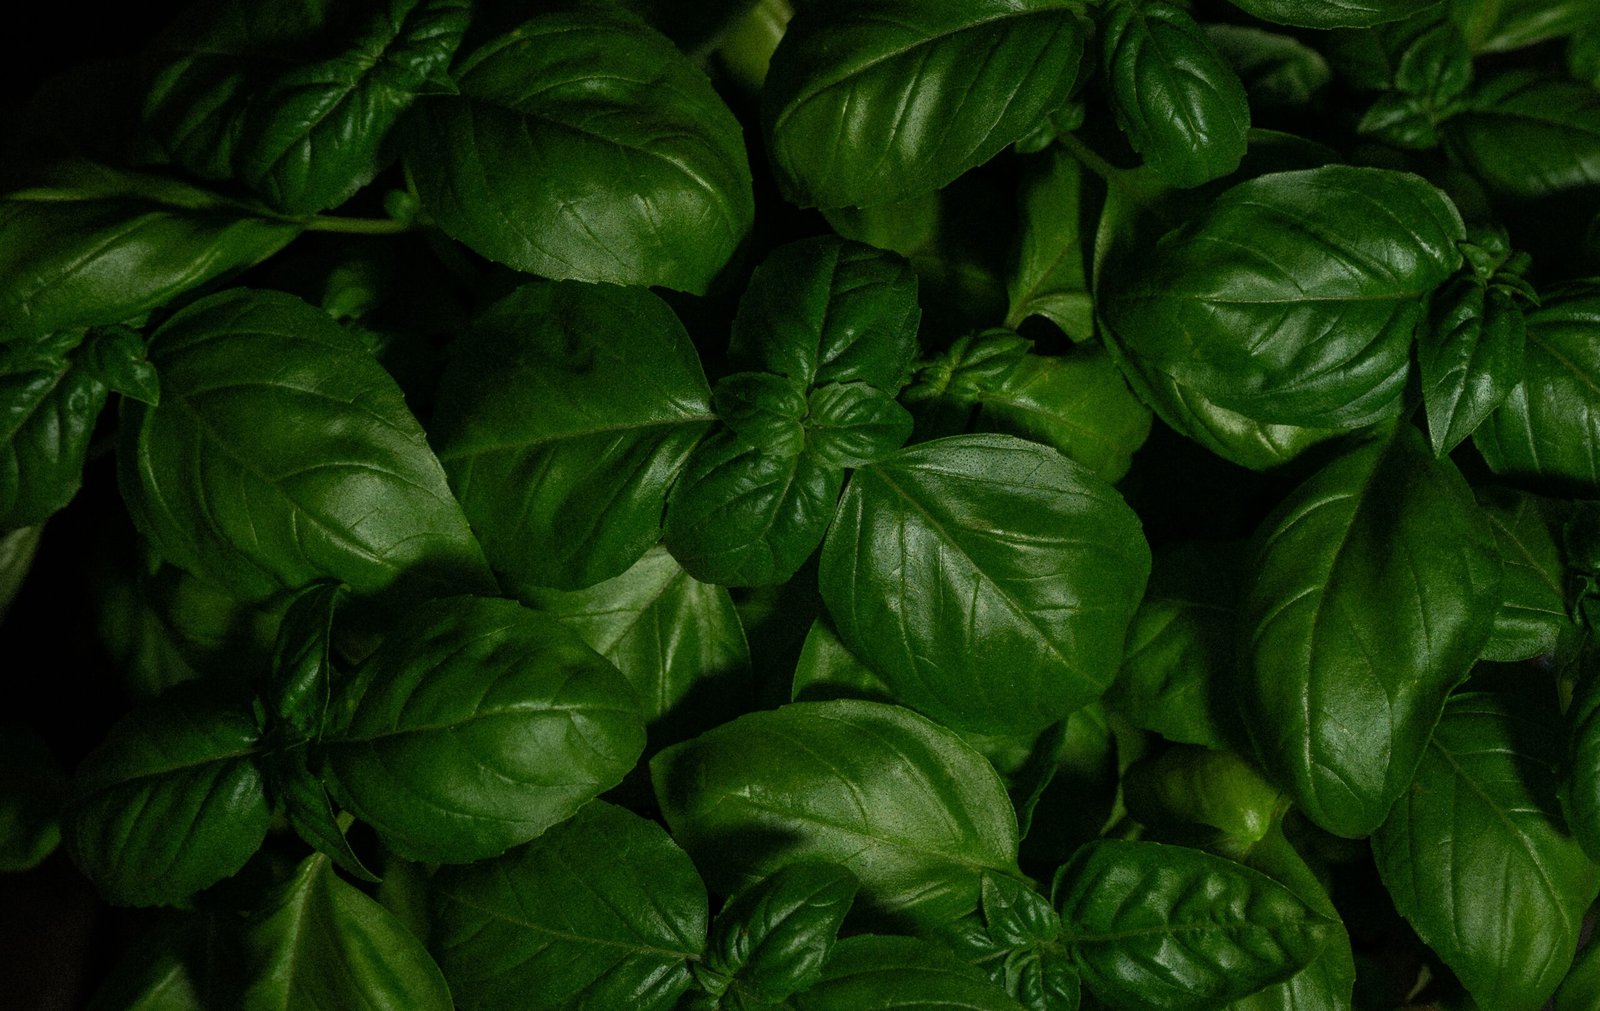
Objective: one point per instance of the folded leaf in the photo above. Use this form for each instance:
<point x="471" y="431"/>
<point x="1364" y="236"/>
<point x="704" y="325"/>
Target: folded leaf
<point x="772" y="939"/>
<point x="1533" y="605"/>
<point x="1470" y="354"/>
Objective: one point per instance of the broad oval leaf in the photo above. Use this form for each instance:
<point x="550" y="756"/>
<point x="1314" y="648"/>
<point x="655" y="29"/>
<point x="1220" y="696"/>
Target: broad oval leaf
<point x="49" y="402"/>
<point x="477" y="725"/>
<point x="904" y="804"/>
<point x="1470" y="354"/>
<point x="877" y="971"/>
<point x="282" y="453"/>
<point x="566" y="413"/>
<point x="172" y="801"/>
<point x="1548" y="429"/>
<point x="1050" y="277"/>
<point x="827" y="310"/>
<point x="316" y="942"/>
<point x="1372" y="590"/>
<point x="1477" y="859"/>
<point x="1530" y="136"/>
<point x="1293" y="297"/>
<point x="1180" y="103"/>
<point x="773" y="938"/>
<point x="1533" y="601"/>
<point x="874" y="102"/>
<point x="583" y="145"/>
<point x="603" y="910"/>
<point x="1333" y="13"/>
<point x="1176" y="929"/>
<point x="296" y="100"/>
<point x="989" y="581"/>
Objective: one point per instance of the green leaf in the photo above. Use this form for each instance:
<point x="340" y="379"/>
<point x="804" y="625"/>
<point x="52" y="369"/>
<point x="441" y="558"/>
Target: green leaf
<point x="476" y="726"/>
<point x="1170" y="928"/>
<point x="302" y="661"/>
<point x="1533" y="608"/>
<point x="1529" y="136"/>
<point x="902" y="803"/>
<point x="1548" y="429"/>
<point x="296" y="100"/>
<point x="309" y="811"/>
<point x="172" y="801"/>
<point x="604" y="911"/>
<point x="104" y="250"/>
<point x="739" y="516"/>
<point x="1580" y="991"/>
<point x="1189" y="785"/>
<point x="826" y="310"/>
<point x="1469" y="352"/>
<point x="17" y="551"/>
<point x="49" y="403"/>
<point x="828" y="670"/>
<point x="677" y="640"/>
<point x="1013" y="938"/>
<point x="584" y="146"/>
<point x="1512" y="24"/>
<point x="316" y="942"/>
<point x="565" y="415"/>
<point x="1277" y="71"/>
<point x="1333" y="13"/>
<point x="854" y="424"/>
<point x="1583" y="63"/>
<point x="33" y="787"/>
<point x="873" y="971"/>
<point x="1580" y="784"/>
<point x="1050" y="277"/>
<point x="772" y="939"/>
<point x="1373" y="588"/>
<point x="282" y="453"/>
<point x="1476" y="858"/>
<point x="1293" y="297"/>
<point x="1180" y="103"/>
<point x="767" y="412"/>
<point x="115" y="355"/>
<point x="875" y="102"/>
<point x="182" y="962"/>
<point x="989" y="581"/>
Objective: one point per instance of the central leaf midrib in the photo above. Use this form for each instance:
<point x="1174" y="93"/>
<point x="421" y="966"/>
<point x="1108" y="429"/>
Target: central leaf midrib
<point x="501" y="915"/>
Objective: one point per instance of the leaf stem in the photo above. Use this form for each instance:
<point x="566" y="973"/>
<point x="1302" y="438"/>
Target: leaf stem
<point x="357" y="226"/>
<point x="1089" y="158"/>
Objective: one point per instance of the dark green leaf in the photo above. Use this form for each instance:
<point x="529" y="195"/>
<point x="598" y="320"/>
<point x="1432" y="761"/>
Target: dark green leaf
<point x="317" y="942"/>
<point x="1512" y="24"/>
<point x="1374" y="587"/>
<point x="677" y="640"/>
<point x="1580" y="786"/>
<point x="1549" y="427"/>
<point x="903" y="803"/>
<point x="772" y="939"/>
<point x="1013" y="939"/>
<point x="826" y="310"/>
<point x="1533" y="607"/>
<point x="183" y="962"/>
<point x="1278" y="71"/>
<point x="828" y="670"/>
<point x="17" y="551"/>
<point x="989" y="581"/>
<point x="1180" y="103"/>
<point x="742" y="517"/>
<point x="302" y="661"/>
<point x="603" y="911"/>
<point x="1292" y="298"/>
<point x="282" y="453"/>
<point x="1580" y="991"/>
<point x="477" y="725"/>
<point x="1469" y="353"/>
<point x="1166" y="927"/>
<point x="566" y="413"/>
<point x="172" y="801"/>
<point x="48" y="407"/>
<point x="1530" y="136"/>
<point x="33" y="787"/>
<point x="100" y="250"/>
<point x="854" y="424"/>
<point x="1333" y="13"/>
<point x="1189" y="785"/>
<point x="874" y="102"/>
<point x="1402" y="120"/>
<point x="872" y="971"/>
<point x="115" y="355"/>
<point x="296" y="100"/>
<point x="1583" y="63"/>
<point x="766" y="411"/>
<point x="310" y="812"/>
<point x="1050" y="277"/>
<point x="1476" y="858"/>
<point x="583" y="145"/>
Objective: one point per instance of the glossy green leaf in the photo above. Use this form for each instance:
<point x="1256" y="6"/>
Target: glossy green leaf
<point x="828" y="670"/>
<point x="772" y="939"/>
<point x="1293" y="297"/>
<point x="1470" y="354"/>
<point x="902" y="803"/>
<point x="1548" y="429"/>
<point x="677" y="640"/>
<point x="827" y="310"/>
<point x="1501" y="25"/>
<point x="310" y="812"/>
<point x="1580" y="991"/>
<point x="989" y="581"/>
<point x="1013" y="938"/>
<point x="1333" y="13"/>
<point x="1180" y="103"/>
<point x="302" y="661"/>
<point x="1527" y="135"/>
<point x="854" y="424"/>
<point x="567" y="412"/>
<point x="1580" y="784"/>
<point x="1190" y="785"/>
<point x="1166" y="927"/>
<point x="874" y="102"/>
<point x="1050" y="277"/>
<point x="873" y="971"/>
<point x="604" y="910"/>
<point x="296" y="100"/>
<point x="477" y="725"/>
<point x="765" y="411"/>
<point x="172" y="801"/>
<point x="739" y="516"/>
<point x="1372" y="590"/>
<point x="101" y="248"/>
<point x="1476" y="858"/>
<point x="49" y="403"/>
<point x="316" y="942"/>
<point x="1533" y="608"/>
<point x="583" y="145"/>
<point x="33" y="787"/>
<point x="282" y="453"/>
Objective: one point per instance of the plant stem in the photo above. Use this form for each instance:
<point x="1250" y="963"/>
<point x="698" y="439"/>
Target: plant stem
<point x="1090" y="158"/>
<point x="357" y="226"/>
